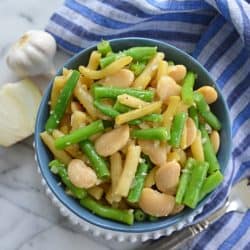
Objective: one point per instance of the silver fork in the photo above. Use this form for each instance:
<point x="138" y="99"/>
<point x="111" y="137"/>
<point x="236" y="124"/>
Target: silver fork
<point x="237" y="201"/>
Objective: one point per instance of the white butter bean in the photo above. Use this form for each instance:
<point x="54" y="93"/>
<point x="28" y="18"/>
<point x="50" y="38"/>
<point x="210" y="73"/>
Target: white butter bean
<point x="215" y="140"/>
<point x="155" y="203"/>
<point x="167" y="87"/>
<point x="209" y="93"/>
<point x="156" y="151"/>
<point x="167" y="177"/>
<point x="122" y="78"/>
<point x="81" y="175"/>
<point x="112" y="141"/>
<point x="177" y="72"/>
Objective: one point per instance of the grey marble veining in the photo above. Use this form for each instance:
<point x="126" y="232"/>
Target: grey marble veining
<point x="28" y="218"/>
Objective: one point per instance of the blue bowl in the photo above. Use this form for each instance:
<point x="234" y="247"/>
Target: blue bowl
<point x="44" y="156"/>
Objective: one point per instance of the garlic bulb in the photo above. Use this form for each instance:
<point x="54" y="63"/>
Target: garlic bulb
<point x="18" y="108"/>
<point x="32" y="54"/>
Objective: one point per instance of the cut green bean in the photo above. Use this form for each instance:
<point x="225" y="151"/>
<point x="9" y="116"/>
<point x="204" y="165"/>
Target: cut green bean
<point x="139" y="215"/>
<point x="121" y="108"/>
<point x="192" y="112"/>
<point x="104" y="47"/>
<point x="170" y="63"/>
<point x="136" y="189"/>
<point x="137" y="53"/>
<point x="208" y="150"/>
<point x="59" y="169"/>
<point x="97" y="162"/>
<point x="124" y="216"/>
<point x="112" y="92"/>
<point x="79" y="134"/>
<point x="205" y="112"/>
<point x="211" y="183"/>
<point x="184" y="180"/>
<point x="62" y="102"/>
<point x="152" y="218"/>
<point x="177" y="129"/>
<point x="148" y="118"/>
<point x="187" y="88"/>
<point x="159" y="133"/>
<point x="105" y="109"/>
<point x="108" y="123"/>
<point x="137" y="67"/>
<point x="198" y="175"/>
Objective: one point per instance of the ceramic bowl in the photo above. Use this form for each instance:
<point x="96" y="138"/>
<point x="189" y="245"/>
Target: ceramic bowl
<point x="110" y="229"/>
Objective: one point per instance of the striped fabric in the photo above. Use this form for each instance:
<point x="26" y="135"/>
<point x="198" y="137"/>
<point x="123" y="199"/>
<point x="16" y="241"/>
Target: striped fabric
<point x="217" y="34"/>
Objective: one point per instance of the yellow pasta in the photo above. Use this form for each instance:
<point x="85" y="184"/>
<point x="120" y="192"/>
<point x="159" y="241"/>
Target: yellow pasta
<point x="173" y="156"/>
<point x="93" y="64"/>
<point x="142" y="81"/>
<point x="109" y="70"/>
<point x="78" y="120"/>
<point x="86" y="100"/>
<point x="182" y="155"/>
<point x="131" y="101"/>
<point x="150" y="179"/>
<point x="96" y="192"/>
<point x="137" y="113"/>
<point x="170" y="111"/>
<point x="162" y="70"/>
<point x="58" y="84"/>
<point x="197" y="149"/>
<point x="75" y="106"/>
<point x="129" y="169"/>
<point x="61" y="155"/>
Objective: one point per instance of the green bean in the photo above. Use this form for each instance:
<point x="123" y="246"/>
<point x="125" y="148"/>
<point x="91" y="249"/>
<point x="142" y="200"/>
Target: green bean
<point x="210" y="183"/>
<point x="187" y="88"/>
<point x="104" y="47"/>
<point x="105" y="109"/>
<point x="159" y="133"/>
<point x="124" y="216"/>
<point x="121" y="108"/>
<point x="59" y="168"/>
<point x="108" y="123"/>
<point x="147" y="118"/>
<point x="112" y="92"/>
<point x="137" y="67"/>
<point x="137" y="53"/>
<point x="62" y="102"/>
<point x="197" y="179"/>
<point x="184" y="180"/>
<point x="139" y="215"/>
<point x="79" y="134"/>
<point x="177" y="129"/>
<point x="192" y="112"/>
<point x="136" y="189"/>
<point x="208" y="150"/>
<point x="205" y="112"/>
<point x="170" y="63"/>
<point x="152" y="218"/>
<point x="105" y="61"/>
<point x="141" y="53"/>
<point x="97" y="162"/>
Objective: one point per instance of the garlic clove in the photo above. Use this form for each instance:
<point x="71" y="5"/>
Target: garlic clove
<point x="32" y="54"/>
<point x="18" y="107"/>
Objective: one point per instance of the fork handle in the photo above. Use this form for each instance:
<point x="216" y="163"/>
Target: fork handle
<point x="177" y="239"/>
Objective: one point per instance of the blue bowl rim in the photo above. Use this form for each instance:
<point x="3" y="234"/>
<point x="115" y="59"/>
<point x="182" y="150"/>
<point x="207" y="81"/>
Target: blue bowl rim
<point x="153" y="225"/>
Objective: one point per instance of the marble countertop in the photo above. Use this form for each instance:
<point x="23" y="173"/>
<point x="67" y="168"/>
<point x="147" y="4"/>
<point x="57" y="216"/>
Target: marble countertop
<point x="28" y="218"/>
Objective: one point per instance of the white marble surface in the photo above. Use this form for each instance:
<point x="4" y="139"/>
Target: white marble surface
<point x="28" y="218"/>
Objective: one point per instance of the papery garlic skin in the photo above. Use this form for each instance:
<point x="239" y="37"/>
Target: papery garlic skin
<point x="32" y="54"/>
<point x="19" y="103"/>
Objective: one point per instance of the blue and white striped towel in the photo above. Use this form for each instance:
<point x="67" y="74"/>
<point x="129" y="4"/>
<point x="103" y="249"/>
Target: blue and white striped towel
<point x="216" y="33"/>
